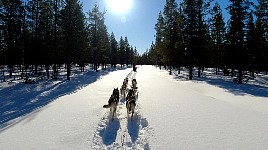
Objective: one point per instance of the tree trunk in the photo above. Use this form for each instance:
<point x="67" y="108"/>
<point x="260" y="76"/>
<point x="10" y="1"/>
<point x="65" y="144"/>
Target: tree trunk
<point x="47" y="71"/>
<point x="190" y="72"/>
<point x="10" y="70"/>
<point x="240" y="76"/>
<point x="199" y="72"/>
<point x="68" y="71"/>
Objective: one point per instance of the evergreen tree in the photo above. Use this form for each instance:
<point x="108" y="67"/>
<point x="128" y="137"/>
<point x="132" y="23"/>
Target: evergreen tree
<point x="159" y="40"/>
<point x="13" y="18"/>
<point x="262" y="15"/>
<point x="202" y="40"/>
<point x="135" y="55"/>
<point x="45" y="36"/>
<point x="179" y="44"/>
<point x="239" y="15"/>
<point x="98" y="35"/>
<point x="190" y="33"/>
<point x="251" y="45"/>
<point x="132" y="55"/>
<point x="2" y="39"/>
<point x="152" y="55"/>
<point x="128" y="53"/>
<point x="73" y="33"/>
<point x="114" y="50"/>
<point x="170" y="15"/>
<point x="34" y="54"/>
<point x="260" y="47"/>
<point x="122" y="52"/>
<point x="55" y="45"/>
<point x="218" y="32"/>
<point x="103" y="43"/>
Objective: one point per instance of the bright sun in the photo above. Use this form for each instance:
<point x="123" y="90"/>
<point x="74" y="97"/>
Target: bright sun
<point x="119" y="6"/>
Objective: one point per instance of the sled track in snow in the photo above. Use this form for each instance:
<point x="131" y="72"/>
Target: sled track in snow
<point x="123" y="132"/>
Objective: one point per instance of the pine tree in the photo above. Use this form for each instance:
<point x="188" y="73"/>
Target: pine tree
<point x="13" y="18"/>
<point x="170" y="15"/>
<point x="190" y="33"/>
<point x="103" y="43"/>
<point x="98" y="35"/>
<point x="202" y="40"/>
<point x="239" y="12"/>
<point x="34" y="53"/>
<point x="122" y="52"/>
<point x="251" y="45"/>
<point x="179" y="44"/>
<point x="73" y="32"/>
<point x="260" y="46"/>
<point x="114" y="50"/>
<point x="127" y="49"/>
<point x="2" y="39"/>
<point x="159" y="39"/>
<point x="262" y="15"/>
<point x="218" y="32"/>
<point x="55" y="46"/>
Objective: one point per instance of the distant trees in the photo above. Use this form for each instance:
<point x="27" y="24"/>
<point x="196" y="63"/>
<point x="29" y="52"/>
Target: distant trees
<point x="199" y="37"/>
<point x="54" y="32"/>
<point x="262" y="34"/>
<point x="11" y="23"/>
<point x="190" y="34"/>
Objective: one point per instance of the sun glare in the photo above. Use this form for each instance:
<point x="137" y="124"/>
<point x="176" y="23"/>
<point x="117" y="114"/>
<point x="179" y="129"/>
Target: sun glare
<point x="119" y="6"/>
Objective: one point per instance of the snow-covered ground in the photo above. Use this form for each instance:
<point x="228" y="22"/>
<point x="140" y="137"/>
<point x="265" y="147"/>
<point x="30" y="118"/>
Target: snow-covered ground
<point x="171" y="113"/>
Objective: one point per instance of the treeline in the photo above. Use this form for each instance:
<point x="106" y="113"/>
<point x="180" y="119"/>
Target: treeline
<point x="194" y="34"/>
<point x="54" y="32"/>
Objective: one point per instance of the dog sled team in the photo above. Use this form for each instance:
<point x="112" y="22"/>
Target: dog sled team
<point x="129" y="95"/>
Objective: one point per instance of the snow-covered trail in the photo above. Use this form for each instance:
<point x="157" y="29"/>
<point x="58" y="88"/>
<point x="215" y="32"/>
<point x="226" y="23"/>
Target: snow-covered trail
<point x="123" y="132"/>
<point x="196" y="115"/>
<point x="66" y="123"/>
<point x="170" y="114"/>
<point x="78" y="121"/>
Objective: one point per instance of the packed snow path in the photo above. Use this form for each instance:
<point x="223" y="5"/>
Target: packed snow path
<point x="123" y="132"/>
<point x="172" y="113"/>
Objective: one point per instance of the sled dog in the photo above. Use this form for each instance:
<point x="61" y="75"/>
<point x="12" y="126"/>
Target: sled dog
<point x="130" y="102"/>
<point x="126" y="80"/>
<point x="113" y="102"/>
<point x="123" y="91"/>
<point x="134" y="83"/>
<point x="124" y="88"/>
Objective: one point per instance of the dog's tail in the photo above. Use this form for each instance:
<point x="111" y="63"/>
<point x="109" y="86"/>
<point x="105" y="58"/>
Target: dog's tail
<point x="106" y="106"/>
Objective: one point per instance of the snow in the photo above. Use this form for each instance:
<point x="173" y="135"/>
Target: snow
<point x="171" y="113"/>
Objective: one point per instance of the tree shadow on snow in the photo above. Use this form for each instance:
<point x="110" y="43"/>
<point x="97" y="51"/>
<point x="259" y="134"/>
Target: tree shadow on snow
<point x="19" y="99"/>
<point x="109" y="133"/>
<point x="237" y="89"/>
<point x="227" y="83"/>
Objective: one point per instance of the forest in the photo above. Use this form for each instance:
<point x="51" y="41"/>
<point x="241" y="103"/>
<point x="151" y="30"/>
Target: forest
<point x="49" y="34"/>
<point x="194" y="34"/>
<point x="44" y="34"/>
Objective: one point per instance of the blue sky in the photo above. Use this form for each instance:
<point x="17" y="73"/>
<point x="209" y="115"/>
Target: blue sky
<point x="139" y="22"/>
